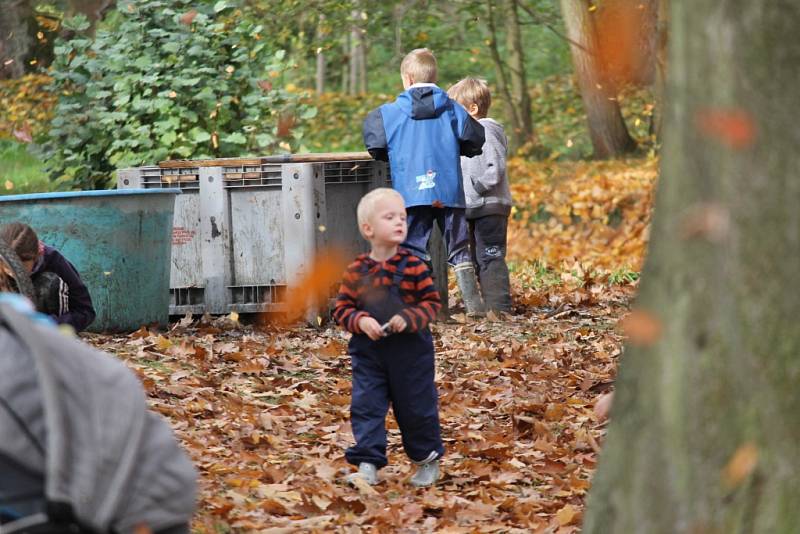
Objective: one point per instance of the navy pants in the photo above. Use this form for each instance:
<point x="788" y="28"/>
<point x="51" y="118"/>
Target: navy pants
<point x="453" y="224"/>
<point x="398" y="369"/>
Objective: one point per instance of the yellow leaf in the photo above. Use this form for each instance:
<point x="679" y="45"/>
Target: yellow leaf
<point x="163" y="343"/>
<point x="9" y="185"/>
<point x="568" y="515"/>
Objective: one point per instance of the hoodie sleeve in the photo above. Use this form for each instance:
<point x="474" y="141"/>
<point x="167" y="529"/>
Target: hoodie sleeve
<point x="493" y="161"/>
<point x="81" y="311"/>
<point x="346" y="312"/>
<point x="427" y="303"/>
<point x="375" y="136"/>
<point x="471" y="136"/>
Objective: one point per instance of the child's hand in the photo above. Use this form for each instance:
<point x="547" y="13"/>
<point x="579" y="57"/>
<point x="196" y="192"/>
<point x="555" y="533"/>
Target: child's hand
<point x="396" y="324"/>
<point x="370" y="326"/>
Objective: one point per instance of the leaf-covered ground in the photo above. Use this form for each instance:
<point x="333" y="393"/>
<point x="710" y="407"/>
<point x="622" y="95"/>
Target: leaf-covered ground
<point x="263" y="411"/>
<point x="264" y="415"/>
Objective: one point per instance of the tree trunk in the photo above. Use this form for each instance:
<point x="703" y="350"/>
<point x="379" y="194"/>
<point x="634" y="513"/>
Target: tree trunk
<point x="607" y="129"/>
<point x="356" y="53"/>
<point x="321" y="65"/>
<point x="503" y="78"/>
<point x="662" y="40"/>
<point x="522" y="132"/>
<point x="346" y="64"/>
<point x="15" y="40"/>
<point x="705" y="429"/>
<point x="362" y="61"/>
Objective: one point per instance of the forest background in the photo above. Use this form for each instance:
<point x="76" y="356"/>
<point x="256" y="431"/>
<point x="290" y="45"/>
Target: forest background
<point x="91" y="86"/>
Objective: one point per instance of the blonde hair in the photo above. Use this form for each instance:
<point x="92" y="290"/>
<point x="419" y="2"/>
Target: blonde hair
<point x="366" y="206"/>
<point x="472" y="91"/>
<point x="420" y="66"/>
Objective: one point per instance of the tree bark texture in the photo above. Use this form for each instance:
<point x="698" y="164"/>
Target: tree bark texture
<point x="15" y="39"/>
<point x="607" y="130"/>
<point x="626" y="38"/>
<point x="705" y="428"/>
<point x="662" y="40"/>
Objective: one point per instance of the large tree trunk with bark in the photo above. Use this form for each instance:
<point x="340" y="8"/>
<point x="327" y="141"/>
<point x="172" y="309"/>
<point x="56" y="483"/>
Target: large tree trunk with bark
<point x="15" y="39"/>
<point x="705" y="428"/>
<point x="607" y="130"/>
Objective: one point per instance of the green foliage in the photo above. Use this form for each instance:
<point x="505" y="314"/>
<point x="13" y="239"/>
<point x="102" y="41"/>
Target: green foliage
<point x="342" y="121"/>
<point x="164" y="80"/>
<point x="21" y="172"/>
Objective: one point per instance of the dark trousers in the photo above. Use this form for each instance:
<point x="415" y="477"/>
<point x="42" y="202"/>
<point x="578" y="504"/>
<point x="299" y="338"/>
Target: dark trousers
<point x="453" y="224"/>
<point x="398" y="369"/>
<point x="488" y="237"/>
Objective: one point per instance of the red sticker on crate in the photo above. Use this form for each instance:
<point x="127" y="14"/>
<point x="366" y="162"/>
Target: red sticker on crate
<point x="181" y="235"/>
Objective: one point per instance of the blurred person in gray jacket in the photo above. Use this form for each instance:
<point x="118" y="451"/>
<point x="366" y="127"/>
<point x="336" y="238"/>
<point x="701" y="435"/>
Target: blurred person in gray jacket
<point x="79" y="450"/>
<point x="488" y="196"/>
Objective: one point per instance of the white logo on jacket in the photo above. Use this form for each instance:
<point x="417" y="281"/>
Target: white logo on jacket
<point x="426" y="181"/>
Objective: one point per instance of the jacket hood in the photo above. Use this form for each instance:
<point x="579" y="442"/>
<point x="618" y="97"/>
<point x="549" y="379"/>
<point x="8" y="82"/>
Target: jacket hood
<point x="424" y="102"/>
<point x="491" y="125"/>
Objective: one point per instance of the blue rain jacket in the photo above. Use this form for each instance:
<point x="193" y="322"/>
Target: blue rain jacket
<point x="422" y="134"/>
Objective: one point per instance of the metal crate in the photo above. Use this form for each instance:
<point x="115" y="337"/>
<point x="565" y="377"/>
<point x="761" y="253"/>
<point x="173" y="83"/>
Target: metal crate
<point x="245" y="229"/>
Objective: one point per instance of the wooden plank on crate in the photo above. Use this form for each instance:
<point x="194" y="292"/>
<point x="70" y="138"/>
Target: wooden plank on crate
<point x="232" y="176"/>
<point x="170" y="178"/>
<point x="222" y="162"/>
<point x="188" y="177"/>
<point x="319" y="157"/>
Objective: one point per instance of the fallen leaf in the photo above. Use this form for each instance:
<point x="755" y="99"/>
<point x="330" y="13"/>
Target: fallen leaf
<point x="568" y="515"/>
<point x="363" y="487"/>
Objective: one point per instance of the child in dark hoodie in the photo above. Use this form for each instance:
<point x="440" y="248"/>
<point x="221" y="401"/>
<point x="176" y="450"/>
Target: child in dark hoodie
<point x="60" y="292"/>
<point x="422" y="134"/>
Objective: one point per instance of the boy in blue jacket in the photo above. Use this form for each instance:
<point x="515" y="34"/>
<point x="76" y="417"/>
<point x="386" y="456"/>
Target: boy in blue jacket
<point x="422" y="135"/>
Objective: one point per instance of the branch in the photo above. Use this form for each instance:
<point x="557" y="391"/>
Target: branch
<point x="538" y="20"/>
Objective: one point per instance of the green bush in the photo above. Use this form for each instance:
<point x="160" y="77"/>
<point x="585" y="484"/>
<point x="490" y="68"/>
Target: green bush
<point x="167" y="79"/>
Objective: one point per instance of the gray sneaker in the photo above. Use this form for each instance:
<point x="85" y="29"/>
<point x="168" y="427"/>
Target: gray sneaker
<point x="366" y="472"/>
<point x="427" y="474"/>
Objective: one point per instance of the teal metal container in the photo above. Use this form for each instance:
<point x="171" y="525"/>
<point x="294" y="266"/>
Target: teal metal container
<point x="119" y="240"/>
